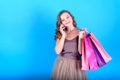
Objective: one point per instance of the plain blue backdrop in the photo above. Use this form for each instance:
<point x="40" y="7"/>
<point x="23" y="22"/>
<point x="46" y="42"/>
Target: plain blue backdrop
<point x="27" y="29"/>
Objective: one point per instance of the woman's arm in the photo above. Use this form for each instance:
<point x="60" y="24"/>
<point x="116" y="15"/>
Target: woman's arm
<point x="59" y="44"/>
<point x="81" y="36"/>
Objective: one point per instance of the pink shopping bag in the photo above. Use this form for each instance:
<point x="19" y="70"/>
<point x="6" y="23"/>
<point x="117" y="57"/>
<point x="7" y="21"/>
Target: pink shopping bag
<point x="102" y="51"/>
<point x="93" y="54"/>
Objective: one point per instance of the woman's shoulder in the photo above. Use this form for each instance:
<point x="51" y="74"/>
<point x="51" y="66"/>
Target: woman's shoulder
<point x="81" y="30"/>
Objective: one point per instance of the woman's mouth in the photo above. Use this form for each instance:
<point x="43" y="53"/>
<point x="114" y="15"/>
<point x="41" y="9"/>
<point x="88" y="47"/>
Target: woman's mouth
<point x="68" y="22"/>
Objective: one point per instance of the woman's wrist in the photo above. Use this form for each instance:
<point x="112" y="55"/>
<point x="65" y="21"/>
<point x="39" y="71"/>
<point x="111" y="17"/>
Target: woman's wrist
<point x="63" y="36"/>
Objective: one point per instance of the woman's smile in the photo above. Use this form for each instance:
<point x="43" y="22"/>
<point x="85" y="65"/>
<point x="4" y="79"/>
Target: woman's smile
<point x="67" y="22"/>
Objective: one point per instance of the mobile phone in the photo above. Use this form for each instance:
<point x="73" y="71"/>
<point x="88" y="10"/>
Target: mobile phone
<point x="64" y="28"/>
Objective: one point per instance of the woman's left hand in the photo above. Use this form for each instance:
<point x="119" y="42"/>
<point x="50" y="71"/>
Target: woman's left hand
<point x="82" y="34"/>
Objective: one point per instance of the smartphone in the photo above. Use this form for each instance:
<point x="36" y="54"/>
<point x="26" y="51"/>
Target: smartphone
<point x="64" y="28"/>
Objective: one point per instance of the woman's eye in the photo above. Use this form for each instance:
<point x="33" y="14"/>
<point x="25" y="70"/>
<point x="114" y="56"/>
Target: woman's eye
<point x="67" y="17"/>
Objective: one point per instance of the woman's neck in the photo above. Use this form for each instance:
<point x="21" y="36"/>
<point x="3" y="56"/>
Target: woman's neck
<point x="70" y="29"/>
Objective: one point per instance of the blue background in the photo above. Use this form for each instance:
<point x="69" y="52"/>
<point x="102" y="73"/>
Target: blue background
<point x="27" y="29"/>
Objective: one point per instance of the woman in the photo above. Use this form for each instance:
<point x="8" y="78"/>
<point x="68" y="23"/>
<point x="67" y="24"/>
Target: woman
<point x="68" y="36"/>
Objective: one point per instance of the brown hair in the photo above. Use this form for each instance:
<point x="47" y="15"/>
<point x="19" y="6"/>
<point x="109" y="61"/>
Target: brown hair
<point x="58" y="23"/>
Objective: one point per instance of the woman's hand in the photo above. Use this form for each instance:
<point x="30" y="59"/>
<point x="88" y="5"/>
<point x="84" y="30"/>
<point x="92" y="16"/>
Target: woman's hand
<point x="62" y="31"/>
<point x="60" y="42"/>
<point x="82" y="34"/>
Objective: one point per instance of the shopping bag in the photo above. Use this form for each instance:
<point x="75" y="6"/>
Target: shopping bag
<point x="100" y="60"/>
<point x="85" y="65"/>
<point x="93" y="54"/>
<point x="90" y="54"/>
<point x="102" y="51"/>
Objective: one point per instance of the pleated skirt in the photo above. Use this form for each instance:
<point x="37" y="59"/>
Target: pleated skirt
<point x="67" y="69"/>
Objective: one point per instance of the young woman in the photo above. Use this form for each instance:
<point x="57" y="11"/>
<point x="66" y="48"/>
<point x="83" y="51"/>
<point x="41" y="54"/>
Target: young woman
<point x="68" y="36"/>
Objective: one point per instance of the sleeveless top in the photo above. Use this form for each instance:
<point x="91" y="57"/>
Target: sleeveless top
<point x="70" y="49"/>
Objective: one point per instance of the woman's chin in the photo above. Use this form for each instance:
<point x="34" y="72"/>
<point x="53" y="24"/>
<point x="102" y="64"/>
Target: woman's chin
<point x="68" y="25"/>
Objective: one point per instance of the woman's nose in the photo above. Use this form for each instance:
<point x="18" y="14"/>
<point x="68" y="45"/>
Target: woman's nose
<point x="66" y="20"/>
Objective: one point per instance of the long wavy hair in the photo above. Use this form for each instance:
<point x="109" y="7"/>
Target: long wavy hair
<point x="58" y="34"/>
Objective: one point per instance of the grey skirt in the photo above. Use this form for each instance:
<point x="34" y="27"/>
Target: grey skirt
<point x="67" y="69"/>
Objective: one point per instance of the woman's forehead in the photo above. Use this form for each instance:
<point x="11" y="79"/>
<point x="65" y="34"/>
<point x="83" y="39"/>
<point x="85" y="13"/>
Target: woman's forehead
<point x="64" y="15"/>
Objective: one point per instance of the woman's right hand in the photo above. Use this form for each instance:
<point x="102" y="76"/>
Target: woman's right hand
<point x="62" y="31"/>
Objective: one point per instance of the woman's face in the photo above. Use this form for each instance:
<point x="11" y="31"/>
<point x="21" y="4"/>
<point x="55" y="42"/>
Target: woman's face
<point x="66" y="19"/>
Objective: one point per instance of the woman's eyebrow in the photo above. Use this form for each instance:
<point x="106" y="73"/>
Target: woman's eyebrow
<point x="67" y="15"/>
